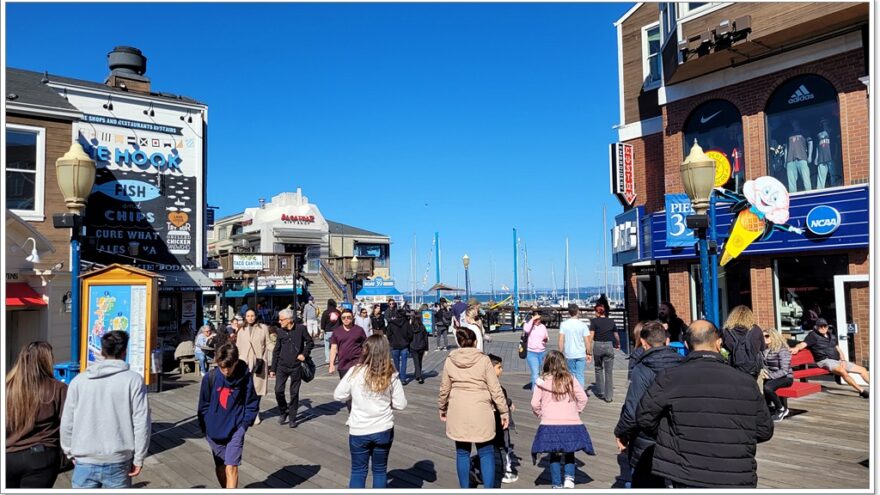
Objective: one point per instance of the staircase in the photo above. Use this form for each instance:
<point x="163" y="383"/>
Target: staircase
<point x="322" y="291"/>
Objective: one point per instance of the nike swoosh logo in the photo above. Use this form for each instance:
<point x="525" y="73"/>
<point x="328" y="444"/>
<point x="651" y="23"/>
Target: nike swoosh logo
<point x="703" y="120"/>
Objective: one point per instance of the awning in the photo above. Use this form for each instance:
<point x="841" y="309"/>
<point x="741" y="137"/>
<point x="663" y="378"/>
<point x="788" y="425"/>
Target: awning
<point x="443" y="287"/>
<point x="190" y="280"/>
<point x="378" y="291"/>
<point x="21" y="295"/>
<point x="263" y="292"/>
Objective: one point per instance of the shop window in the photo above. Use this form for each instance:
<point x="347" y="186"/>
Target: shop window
<point x="651" y="55"/>
<point x="734" y="288"/>
<point x="25" y="167"/>
<point x="805" y="291"/>
<point x="803" y="134"/>
<point x="379" y="253"/>
<point x="717" y="126"/>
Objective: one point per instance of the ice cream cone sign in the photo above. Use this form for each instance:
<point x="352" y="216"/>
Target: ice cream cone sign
<point x="763" y="209"/>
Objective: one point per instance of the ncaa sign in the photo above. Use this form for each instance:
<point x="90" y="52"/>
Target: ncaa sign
<point x="823" y="220"/>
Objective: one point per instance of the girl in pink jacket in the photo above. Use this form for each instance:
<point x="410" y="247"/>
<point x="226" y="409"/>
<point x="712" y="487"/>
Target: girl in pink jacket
<point x="557" y="400"/>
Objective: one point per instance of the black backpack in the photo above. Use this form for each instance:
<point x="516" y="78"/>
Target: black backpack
<point x="743" y="357"/>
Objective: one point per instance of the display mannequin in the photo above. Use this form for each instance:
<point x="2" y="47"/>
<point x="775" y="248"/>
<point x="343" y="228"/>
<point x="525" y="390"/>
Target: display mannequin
<point x="824" y="159"/>
<point x="797" y="155"/>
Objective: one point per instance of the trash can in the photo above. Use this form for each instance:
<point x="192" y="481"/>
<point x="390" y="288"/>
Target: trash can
<point x="65" y="372"/>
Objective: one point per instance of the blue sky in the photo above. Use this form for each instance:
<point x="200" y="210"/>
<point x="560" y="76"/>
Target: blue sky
<point x="405" y="119"/>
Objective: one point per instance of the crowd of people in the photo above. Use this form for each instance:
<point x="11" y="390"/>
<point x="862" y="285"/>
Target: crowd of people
<point x="692" y="416"/>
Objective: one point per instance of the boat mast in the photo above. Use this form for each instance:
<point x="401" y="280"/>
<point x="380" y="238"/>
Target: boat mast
<point x="567" y="277"/>
<point x="605" y="248"/>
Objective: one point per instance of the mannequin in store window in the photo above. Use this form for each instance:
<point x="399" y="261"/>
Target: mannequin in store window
<point x="797" y="155"/>
<point x="825" y="167"/>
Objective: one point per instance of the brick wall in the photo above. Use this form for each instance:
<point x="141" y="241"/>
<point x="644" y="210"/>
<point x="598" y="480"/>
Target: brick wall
<point x="763" y="299"/>
<point x="680" y="289"/>
<point x="649" y="171"/>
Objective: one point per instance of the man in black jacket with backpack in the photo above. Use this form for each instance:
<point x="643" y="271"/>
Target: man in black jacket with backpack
<point x="294" y="344"/>
<point x="706" y="417"/>
<point x="639" y="444"/>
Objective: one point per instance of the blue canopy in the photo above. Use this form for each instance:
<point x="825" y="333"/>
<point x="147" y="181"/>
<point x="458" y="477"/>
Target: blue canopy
<point x="378" y="291"/>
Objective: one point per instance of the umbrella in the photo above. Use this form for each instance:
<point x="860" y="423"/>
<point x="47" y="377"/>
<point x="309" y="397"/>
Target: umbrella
<point x="443" y="287"/>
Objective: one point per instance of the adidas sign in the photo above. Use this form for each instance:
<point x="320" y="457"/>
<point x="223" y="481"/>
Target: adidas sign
<point x="802" y="94"/>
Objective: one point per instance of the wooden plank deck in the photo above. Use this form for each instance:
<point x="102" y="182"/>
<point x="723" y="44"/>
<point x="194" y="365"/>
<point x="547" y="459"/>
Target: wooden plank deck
<point x="825" y="444"/>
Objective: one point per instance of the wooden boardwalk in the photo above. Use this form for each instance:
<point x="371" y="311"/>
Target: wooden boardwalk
<point x="823" y="445"/>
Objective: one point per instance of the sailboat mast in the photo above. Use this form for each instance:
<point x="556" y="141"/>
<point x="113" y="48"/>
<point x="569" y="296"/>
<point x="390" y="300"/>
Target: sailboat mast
<point x="577" y="283"/>
<point x="605" y="248"/>
<point x="567" y="277"/>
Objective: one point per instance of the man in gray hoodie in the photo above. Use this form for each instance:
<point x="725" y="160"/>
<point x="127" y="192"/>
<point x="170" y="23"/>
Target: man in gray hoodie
<point x="105" y="426"/>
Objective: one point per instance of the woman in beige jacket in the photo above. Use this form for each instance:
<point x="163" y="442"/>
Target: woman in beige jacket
<point x="469" y="396"/>
<point x="252" y="341"/>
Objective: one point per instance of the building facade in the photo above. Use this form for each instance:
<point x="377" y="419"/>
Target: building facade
<point x="768" y="89"/>
<point x="147" y="207"/>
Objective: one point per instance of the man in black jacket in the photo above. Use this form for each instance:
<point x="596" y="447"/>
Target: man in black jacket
<point x="442" y="320"/>
<point x="639" y="444"/>
<point x="291" y="349"/>
<point x="706" y="417"/>
<point x="400" y="335"/>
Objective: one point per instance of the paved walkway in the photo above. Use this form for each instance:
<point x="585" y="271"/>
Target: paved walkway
<point x="823" y="445"/>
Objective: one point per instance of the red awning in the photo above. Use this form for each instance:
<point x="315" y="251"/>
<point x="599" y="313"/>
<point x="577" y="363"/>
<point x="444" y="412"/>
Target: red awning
<point x="20" y="295"/>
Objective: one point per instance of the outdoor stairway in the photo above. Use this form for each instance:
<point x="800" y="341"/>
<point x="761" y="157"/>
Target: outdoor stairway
<point x="321" y="290"/>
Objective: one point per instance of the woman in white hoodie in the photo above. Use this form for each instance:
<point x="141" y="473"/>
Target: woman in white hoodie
<point x="374" y="389"/>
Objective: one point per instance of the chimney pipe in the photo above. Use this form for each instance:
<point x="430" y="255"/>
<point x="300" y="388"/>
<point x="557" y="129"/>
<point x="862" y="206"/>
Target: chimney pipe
<point x="127" y="68"/>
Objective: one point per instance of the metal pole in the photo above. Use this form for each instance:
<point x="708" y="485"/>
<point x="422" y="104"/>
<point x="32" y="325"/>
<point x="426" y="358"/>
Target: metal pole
<point x="437" y="259"/>
<point x="75" y="291"/>
<point x="605" y="249"/>
<point x="515" y="284"/>
<point x="706" y="284"/>
<point x="467" y="284"/>
<point x="713" y="264"/>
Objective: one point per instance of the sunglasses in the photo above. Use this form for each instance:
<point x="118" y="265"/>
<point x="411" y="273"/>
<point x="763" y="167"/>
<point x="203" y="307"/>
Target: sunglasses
<point x="347" y="317"/>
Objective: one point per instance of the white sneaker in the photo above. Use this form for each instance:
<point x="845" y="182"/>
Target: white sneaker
<point x="509" y="478"/>
<point x="569" y="482"/>
<point x="258" y="420"/>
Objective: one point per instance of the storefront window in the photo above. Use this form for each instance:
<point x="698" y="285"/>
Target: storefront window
<point x="734" y="288"/>
<point x="24" y="171"/>
<point x="803" y="134"/>
<point x="805" y="291"/>
<point x="717" y="126"/>
<point x="379" y="253"/>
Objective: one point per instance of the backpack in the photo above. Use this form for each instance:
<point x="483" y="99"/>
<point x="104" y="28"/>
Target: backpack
<point x="743" y="357"/>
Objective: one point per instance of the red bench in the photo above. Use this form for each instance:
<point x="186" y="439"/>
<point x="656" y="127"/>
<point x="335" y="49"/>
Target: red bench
<point x="805" y="365"/>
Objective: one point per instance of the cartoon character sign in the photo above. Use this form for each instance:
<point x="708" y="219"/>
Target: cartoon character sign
<point x="762" y="208"/>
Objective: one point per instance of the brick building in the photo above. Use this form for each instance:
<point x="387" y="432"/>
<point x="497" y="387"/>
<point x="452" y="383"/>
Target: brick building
<point x="773" y="89"/>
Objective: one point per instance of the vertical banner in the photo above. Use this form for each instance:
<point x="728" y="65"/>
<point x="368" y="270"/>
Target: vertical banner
<point x="623" y="173"/>
<point x="678" y="207"/>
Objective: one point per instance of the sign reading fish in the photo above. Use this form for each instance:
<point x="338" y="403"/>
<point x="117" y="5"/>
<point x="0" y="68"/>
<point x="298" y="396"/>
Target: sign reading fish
<point x="128" y="190"/>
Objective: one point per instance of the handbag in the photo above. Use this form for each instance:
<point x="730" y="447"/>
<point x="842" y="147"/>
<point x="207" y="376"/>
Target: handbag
<point x="307" y="372"/>
<point x="259" y="363"/>
<point x="524" y="345"/>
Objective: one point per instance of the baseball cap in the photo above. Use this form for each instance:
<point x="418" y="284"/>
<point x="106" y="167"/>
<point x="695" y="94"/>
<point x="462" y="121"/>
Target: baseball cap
<point x="456" y="298"/>
<point x="821" y="322"/>
<point x="443" y="300"/>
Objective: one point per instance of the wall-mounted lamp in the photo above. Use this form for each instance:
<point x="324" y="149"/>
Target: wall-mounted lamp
<point x="150" y="111"/>
<point x="35" y="256"/>
<point x="109" y="104"/>
<point x="67" y="300"/>
<point x="188" y="117"/>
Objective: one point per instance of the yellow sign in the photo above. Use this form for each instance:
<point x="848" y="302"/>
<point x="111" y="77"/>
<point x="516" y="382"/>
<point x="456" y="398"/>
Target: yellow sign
<point x="722" y="167"/>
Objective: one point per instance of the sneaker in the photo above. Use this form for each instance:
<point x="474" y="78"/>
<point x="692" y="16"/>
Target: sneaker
<point x="282" y="419"/>
<point x="509" y="478"/>
<point x="258" y="420"/>
<point x="863" y="394"/>
<point x="780" y="415"/>
<point x="569" y="482"/>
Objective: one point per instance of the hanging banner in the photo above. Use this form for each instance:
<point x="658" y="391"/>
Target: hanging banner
<point x="623" y="173"/>
<point x="678" y="207"/>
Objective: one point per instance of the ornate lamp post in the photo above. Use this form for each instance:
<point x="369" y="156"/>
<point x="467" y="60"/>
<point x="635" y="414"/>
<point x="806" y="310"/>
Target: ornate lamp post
<point x="698" y="178"/>
<point x="354" y="275"/>
<point x="466" y="261"/>
<point x="75" y="172"/>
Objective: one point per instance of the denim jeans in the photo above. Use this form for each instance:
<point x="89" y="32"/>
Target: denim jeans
<point x="399" y="357"/>
<point x="486" y="451"/>
<point x="101" y="475"/>
<point x="327" y="348"/>
<point x="440" y="336"/>
<point x="536" y="361"/>
<point x="603" y="360"/>
<point x="366" y="448"/>
<point x="792" y="168"/>
<point x="203" y="361"/>
<point x="576" y="368"/>
<point x="556" y="469"/>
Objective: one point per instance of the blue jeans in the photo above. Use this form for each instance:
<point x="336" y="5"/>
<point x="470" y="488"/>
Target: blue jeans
<point x="536" y="361"/>
<point x="399" y="357"/>
<point x="364" y="448"/>
<point x="101" y="475"/>
<point x="327" y="348"/>
<point x="203" y="361"/>
<point x="556" y="470"/>
<point x="576" y="368"/>
<point x="486" y="451"/>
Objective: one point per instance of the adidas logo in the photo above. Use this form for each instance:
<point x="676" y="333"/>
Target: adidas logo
<point x="802" y="94"/>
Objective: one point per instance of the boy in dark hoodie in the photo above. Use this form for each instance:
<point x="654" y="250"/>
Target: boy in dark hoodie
<point x="502" y="435"/>
<point x="228" y="405"/>
<point x="400" y="336"/>
<point x="639" y="444"/>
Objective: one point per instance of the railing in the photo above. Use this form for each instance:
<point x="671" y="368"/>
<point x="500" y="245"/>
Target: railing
<point x="338" y="287"/>
<point x="342" y="267"/>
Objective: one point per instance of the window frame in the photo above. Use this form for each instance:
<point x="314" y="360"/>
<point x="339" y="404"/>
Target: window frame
<point x="646" y="66"/>
<point x="38" y="213"/>
<point x="685" y="14"/>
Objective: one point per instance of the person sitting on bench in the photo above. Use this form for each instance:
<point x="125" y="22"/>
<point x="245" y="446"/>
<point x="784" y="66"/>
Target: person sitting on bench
<point x="823" y="344"/>
<point x="777" y="372"/>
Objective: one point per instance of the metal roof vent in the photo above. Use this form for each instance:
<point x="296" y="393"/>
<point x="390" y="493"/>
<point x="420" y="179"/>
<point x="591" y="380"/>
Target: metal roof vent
<point x="127" y="60"/>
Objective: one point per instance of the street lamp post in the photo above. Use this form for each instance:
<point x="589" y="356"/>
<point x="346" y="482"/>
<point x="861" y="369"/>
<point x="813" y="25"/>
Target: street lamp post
<point x="354" y="273"/>
<point x="698" y="178"/>
<point x="75" y="172"/>
<point x="466" y="261"/>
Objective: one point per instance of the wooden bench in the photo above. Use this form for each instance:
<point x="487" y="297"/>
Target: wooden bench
<point x="805" y="365"/>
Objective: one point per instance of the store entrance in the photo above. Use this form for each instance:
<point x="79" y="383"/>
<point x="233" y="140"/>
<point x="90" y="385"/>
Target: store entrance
<point x="848" y="327"/>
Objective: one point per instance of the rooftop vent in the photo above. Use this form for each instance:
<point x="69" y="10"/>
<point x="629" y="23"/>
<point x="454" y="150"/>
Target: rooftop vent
<point x="127" y="68"/>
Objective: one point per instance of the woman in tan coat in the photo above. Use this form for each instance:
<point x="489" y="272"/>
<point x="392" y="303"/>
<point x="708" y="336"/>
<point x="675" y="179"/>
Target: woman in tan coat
<point x="469" y="396"/>
<point x="252" y="341"/>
